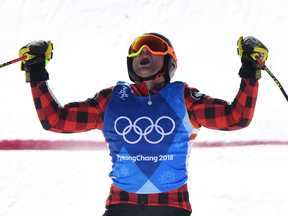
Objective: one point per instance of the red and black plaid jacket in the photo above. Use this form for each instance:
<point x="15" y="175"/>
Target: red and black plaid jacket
<point x="202" y="110"/>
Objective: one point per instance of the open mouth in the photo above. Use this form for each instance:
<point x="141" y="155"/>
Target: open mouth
<point x="144" y="61"/>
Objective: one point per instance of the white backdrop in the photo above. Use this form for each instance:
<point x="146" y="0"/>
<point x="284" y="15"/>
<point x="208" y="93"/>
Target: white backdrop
<point x="91" y="39"/>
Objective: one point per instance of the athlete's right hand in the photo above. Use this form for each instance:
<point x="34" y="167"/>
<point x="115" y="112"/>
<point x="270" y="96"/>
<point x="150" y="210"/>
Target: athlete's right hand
<point x="38" y="55"/>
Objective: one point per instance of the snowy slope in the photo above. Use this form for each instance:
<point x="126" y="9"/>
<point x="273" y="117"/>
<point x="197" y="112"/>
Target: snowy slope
<point x="91" y="39"/>
<point x="240" y="181"/>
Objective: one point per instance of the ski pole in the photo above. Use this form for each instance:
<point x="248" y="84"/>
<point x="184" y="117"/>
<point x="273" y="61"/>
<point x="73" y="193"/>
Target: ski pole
<point x="18" y="59"/>
<point x="264" y="67"/>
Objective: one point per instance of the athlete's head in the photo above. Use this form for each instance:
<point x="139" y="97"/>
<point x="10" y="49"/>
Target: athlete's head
<point x="150" y="56"/>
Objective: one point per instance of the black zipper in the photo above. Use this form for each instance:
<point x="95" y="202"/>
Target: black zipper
<point x="142" y="200"/>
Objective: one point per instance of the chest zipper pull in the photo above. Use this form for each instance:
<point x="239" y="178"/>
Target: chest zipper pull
<point x="142" y="205"/>
<point x="149" y="102"/>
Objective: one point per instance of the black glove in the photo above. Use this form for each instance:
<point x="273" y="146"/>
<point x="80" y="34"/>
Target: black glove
<point x="38" y="55"/>
<point x="248" y="48"/>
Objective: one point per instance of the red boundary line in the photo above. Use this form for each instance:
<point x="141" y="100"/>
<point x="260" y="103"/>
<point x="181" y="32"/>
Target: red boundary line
<point x="51" y="145"/>
<point x="238" y="143"/>
<point x="101" y="145"/>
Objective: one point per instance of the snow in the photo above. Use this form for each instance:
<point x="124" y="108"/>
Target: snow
<point x="240" y="180"/>
<point x="91" y="39"/>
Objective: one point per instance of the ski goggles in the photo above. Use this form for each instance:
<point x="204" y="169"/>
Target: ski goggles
<point x="154" y="44"/>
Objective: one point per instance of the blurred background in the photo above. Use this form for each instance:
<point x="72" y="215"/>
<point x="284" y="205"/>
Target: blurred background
<point x="91" y="39"/>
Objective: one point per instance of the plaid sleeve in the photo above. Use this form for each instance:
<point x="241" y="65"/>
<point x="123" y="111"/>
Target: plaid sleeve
<point x="73" y="117"/>
<point x="218" y="114"/>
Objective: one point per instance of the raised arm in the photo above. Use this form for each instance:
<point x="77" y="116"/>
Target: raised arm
<point x="73" y="117"/>
<point x="218" y="114"/>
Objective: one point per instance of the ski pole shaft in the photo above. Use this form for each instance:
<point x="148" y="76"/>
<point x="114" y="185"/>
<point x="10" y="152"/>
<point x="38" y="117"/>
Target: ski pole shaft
<point x="18" y="59"/>
<point x="264" y="67"/>
<point x="13" y="61"/>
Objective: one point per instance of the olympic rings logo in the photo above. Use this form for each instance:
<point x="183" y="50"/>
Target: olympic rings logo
<point x="147" y="131"/>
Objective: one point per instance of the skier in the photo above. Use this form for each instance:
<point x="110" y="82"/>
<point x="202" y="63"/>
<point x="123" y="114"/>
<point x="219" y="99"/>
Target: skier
<point x="149" y="125"/>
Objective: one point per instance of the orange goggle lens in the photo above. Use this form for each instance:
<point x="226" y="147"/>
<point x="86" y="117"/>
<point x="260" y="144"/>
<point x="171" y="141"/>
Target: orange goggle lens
<point x="155" y="44"/>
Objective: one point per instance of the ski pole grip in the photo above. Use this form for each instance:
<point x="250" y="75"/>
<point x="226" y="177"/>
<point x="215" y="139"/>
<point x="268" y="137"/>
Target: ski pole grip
<point x="259" y="61"/>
